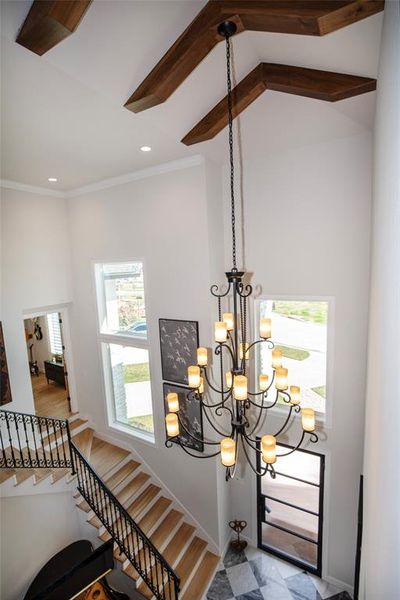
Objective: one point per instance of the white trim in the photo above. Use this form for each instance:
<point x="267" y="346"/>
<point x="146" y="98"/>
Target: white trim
<point x="340" y="584"/>
<point x="103" y="184"/>
<point x="33" y="189"/>
<point x="173" y="165"/>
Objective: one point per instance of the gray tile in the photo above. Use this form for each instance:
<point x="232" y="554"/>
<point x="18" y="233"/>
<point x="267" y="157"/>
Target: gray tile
<point x="325" y="589"/>
<point x="241" y="578"/>
<point x="220" y="588"/>
<point x="254" y="595"/>
<point x="276" y="590"/>
<point x="264" y="570"/>
<point x="340" y="596"/>
<point x="233" y="558"/>
<point x="302" y="587"/>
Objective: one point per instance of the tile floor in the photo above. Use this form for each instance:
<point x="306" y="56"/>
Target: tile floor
<point x="256" y="575"/>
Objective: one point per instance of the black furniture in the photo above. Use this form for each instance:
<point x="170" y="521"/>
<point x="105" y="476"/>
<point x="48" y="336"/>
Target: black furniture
<point x="54" y="372"/>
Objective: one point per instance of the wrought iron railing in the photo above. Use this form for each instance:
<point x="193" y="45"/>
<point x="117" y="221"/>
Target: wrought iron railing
<point x="28" y="441"/>
<point x="126" y="533"/>
<point x="32" y="442"/>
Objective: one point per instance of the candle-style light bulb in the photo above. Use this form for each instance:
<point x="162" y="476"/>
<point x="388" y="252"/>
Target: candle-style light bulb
<point x="281" y="379"/>
<point x="228" y="320"/>
<point x="228" y="379"/>
<point x="276" y="358"/>
<point x="220" y="332"/>
<point x="244" y="351"/>
<point x="263" y="382"/>
<point x="194" y="376"/>
<point x="202" y="357"/>
<point x="172" y="424"/>
<point x="228" y="452"/>
<point x="173" y="402"/>
<point x="294" y="394"/>
<point x="240" y="387"/>
<point x="265" y="328"/>
<point x="268" y="449"/>
<point x="201" y="386"/>
<point x="308" y="419"/>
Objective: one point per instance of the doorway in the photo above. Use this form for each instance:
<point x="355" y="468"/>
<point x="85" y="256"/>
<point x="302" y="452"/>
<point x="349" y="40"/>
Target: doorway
<point x="290" y="509"/>
<point x="47" y="364"/>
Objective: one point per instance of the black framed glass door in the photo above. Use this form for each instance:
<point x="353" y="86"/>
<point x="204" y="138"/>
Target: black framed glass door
<point x="290" y="509"/>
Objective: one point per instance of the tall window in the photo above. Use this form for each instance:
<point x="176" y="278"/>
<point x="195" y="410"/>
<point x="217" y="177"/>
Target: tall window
<point x="123" y="337"/>
<point x="300" y="331"/>
<point x="54" y="329"/>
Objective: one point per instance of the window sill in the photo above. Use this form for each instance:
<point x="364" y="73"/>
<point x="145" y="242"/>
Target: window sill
<point x="143" y="436"/>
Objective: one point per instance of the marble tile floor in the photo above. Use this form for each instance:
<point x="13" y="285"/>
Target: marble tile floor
<point x="256" y="575"/>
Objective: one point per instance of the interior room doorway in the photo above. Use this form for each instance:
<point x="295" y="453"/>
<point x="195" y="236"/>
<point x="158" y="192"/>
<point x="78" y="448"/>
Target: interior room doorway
<point x="48" y="364"/>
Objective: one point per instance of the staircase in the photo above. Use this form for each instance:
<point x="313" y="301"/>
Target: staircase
<point x="169" y="530"/>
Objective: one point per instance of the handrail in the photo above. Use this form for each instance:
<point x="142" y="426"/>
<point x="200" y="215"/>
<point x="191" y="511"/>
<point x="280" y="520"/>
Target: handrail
<point x="33" y="442"/>
<point x="39" y="442"/>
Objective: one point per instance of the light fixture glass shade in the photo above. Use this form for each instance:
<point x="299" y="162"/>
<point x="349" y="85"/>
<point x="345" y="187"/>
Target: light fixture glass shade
<point x="194" y="376"/>
<point x="228" y="452"/>
<point x="294" y="394"/>
<point x="173" y="402"/>
<point x="276" y="358"/>
<point x="228" y="379"/>
<point x="172" y="423"/>
<point x="244" y="350"/>
<point x="263" y="382"/>
<point x="202" y="357"/>
<point x="265" y="328"/>
<point x="220" y="331"/>
<point x="308" y="419"/>
<point x="228" y="319"/>
<point x="281" y="379"/>
<point x="268" y="449"/>
<point x="240" y="387"/>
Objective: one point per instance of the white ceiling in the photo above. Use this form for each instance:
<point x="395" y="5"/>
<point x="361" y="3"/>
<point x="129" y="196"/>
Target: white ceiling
<point x="63" y="115"/>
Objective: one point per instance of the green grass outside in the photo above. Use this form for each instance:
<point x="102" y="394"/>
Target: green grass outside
<point x="293" y="353"/>
<point x="135" y="373"/>
<point x="315" y="312"/>
<point x="321" y="390"/>
<point x="145" y="423"/>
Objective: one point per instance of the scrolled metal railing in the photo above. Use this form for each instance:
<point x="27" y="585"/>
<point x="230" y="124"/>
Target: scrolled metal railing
<point x="29" y="441"/>
<point x="32" y="442"/>
<point x="126" y="533"/>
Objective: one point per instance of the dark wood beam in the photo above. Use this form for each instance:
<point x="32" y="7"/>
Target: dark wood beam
<point x="49" y="22"/>
<point x="312" y="83"/>
<point x="302" y="17"/>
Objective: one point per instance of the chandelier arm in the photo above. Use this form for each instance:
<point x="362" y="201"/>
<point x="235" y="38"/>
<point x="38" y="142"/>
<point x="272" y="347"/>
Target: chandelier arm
<point x="261" y="415"/>
<point x="212" y="424"/>
<point x="214" y="289"/>
<point x="177" y="441"/>
<point x="296" y="448"/>
<point x="288" y="396"/>
<point x="196" y="439"/>
<point x="230" y="471"/>
<point x="285" y="423"/>
<point x="262" y="471"/>
<point x="217" y="391"/>
<point x="218" y="350"/>
<point x="266" y="407"/>
<point x="244" y="291"/>
<point x="261" y="341"/>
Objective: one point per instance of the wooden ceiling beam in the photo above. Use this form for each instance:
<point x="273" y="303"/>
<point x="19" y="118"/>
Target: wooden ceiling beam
<point x="302" y="17"/>
<point x="311" y="83"/>
<point x="49" y="22"/>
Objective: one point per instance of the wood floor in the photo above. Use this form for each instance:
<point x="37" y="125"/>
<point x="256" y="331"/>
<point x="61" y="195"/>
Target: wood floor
<point x="50" y="398"/>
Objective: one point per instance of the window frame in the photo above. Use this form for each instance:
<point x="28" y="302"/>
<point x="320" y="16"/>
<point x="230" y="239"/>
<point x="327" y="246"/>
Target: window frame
<point x="325" y="418"/>
<point x="119" y="338"/>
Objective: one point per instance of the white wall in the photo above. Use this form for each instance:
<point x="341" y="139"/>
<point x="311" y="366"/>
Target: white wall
<point x="36" y="273"/>
<point x="380" y="577"/>
<point x="33" y="529"/>
<point x="307" y="215"/>
<point x="163" y="220"/>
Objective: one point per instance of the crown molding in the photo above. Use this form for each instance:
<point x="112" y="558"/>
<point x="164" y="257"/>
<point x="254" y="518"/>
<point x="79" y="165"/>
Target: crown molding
<point x="174" y="165"/>
<point x="32" y="189"/>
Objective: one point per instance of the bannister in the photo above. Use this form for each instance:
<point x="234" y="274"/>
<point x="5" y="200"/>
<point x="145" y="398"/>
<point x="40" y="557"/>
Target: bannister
<point x="126" y="533"/>
<point x="32" y="442"/>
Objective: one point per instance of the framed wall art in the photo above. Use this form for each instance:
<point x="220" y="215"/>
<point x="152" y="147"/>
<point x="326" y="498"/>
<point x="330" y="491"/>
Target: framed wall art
<point x="179" y="341"/>
<point x="189" y="413"/>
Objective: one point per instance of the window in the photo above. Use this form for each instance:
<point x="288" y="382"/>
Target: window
<point x="55" y="337"/>
<point x="299" y="330"/>
<point x="124" y="343"/>
<point x="290" y="509"/>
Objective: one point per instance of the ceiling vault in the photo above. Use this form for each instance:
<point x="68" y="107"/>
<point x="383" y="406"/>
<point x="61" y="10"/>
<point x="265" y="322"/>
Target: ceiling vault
<point x="312" y="83"/>
<point x="302" y="17"/>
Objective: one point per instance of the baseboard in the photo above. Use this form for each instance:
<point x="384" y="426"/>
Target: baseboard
<point x="340" y="584"/>
<point x="112" y="440"/>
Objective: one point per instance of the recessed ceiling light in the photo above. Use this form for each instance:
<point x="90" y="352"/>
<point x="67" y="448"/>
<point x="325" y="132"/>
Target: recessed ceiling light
<point x="145" y="148"/>
<point x="52" y="179"/>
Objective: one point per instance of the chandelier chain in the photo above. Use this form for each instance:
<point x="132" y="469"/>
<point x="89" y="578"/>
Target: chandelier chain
<point x="230" y="129"/>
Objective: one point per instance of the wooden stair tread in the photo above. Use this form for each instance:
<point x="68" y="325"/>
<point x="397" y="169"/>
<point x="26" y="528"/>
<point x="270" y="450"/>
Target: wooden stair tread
<point x="202" y="578"/>
<point x="118" y="477"/>
<point x="22" y="475"/>
<point x="83" y="441"/>
<point x="59" y="474"/>
<point x="132" y="487"/>
<point x="6" y="474"/>
<point x="143" y="500"/>
<point x="95" y="521"/>
<point x="164" y="529"/>
<point x="154" y="514"/>
<point x="63" y="432"/>
<point x="189" y="559"/>
<point x="104" y="456"/>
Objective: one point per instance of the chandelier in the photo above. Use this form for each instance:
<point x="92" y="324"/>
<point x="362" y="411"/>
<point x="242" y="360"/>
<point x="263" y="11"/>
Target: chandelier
<point x="245" y="410"/>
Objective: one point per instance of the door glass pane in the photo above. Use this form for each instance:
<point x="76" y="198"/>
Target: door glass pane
<point x="299" y="464"/>
<point x="289" y="544"/>
<point x="130" y="375"/>
<point x="292" y="491"/>
<point x="291" y="518"/>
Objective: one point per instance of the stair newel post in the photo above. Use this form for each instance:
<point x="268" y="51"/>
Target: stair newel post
<point x="71" y="452"/>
